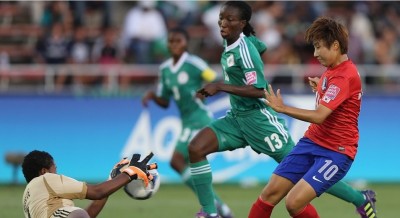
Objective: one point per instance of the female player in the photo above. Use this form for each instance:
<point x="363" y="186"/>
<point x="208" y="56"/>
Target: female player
<point x="250" y="121"/>
<point x="180" y="77"/>
<point x="325" y="153"/>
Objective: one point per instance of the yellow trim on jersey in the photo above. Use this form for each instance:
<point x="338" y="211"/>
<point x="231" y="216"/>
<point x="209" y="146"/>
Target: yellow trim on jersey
<point x="208" y="75"/>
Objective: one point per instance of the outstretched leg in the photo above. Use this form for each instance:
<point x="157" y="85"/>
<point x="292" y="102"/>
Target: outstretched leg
<point x="204" y="143"/>
<point x="180" y="163"/>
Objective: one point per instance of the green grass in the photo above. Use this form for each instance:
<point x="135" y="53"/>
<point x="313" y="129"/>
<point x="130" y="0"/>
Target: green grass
<point x="176" y="201"/>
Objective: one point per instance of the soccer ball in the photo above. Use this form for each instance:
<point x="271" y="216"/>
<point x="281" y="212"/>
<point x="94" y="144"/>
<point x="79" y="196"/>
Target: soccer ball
<point x="136" y="190"/>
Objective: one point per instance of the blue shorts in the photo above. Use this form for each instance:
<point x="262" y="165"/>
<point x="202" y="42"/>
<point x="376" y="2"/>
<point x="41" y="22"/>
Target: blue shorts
<point x="319" y="166"/>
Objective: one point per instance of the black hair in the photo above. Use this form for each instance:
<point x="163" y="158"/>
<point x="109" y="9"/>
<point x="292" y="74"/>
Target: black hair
<point x="34" y="162"/>
<point x="245" y="14"/>
<point x="181" y="31"/>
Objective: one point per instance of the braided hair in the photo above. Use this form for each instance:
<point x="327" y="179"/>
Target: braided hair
<point x="245" y="14"/>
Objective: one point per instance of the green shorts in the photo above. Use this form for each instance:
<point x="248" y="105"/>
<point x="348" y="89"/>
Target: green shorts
<point x="187" y="134"/>
<point x="262" y="129"/>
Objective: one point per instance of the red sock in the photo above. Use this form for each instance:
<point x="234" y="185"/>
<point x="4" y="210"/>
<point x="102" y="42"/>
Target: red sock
<point x="308" y="212"/>
<point x="261" y="209"/>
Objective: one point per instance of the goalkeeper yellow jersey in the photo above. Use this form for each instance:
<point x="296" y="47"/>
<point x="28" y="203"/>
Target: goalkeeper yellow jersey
<point x="50" y="195"/>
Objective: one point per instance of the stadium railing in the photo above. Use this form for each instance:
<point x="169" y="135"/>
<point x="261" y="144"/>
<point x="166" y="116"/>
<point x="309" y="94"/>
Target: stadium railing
<point x="29" y="78"/>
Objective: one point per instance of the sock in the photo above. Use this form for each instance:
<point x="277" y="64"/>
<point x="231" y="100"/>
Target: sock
<point x="187" y="179"/>
<point x="261" y="208"/>
<point x="345" y="192"/>
<point x="308" y="212"/>
<point x="202" y="180"/>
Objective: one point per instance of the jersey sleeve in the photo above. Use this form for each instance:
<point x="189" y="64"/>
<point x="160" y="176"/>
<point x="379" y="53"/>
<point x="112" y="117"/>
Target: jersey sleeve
<point x="162" y="89"/>
<point x="206" y="73"/>
<point x="260" y="46"/>
<point x="252" y="65"/>
<point x="337" y="91"/>
<point x="66" y="187"/>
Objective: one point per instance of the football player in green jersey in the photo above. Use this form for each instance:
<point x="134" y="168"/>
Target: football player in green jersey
<point x="180" y="77"/>
<point x="249" y="122"/>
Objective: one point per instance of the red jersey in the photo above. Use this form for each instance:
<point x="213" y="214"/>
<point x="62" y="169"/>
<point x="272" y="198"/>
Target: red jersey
<point x="339" y="89"/>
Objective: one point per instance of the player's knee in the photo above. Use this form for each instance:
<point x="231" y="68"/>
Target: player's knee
<point x="81" y="213"/>
<point x="293" y="206"/>
<point x="271" y="194"/>
<point x="196" y="151"/>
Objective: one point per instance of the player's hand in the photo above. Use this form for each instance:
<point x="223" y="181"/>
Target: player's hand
<point x="117" y="168"/>
<point x="209" y="89"/>
<point x="138" y="169"/>
<point x="313" y="82"/>
<point x="274" y="101"/>
<point x="147" y="97"/>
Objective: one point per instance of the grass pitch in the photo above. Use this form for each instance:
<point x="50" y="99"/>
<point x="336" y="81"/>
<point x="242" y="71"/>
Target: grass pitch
<point x="177" y="201"/>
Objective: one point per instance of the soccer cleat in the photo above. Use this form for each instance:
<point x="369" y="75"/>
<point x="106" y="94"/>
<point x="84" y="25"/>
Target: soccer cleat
<point x="223" y="210"/>
<point x="202" y="214"/>
<point x="367" y="210"/>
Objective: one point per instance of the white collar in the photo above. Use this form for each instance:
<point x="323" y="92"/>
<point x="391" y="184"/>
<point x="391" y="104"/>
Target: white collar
<point x="235" y="44"/>
<point x="182" y="59"/>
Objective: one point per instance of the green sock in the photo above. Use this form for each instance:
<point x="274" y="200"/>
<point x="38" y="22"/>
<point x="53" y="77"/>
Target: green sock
<point x="345" y="192"/>
<point x="202" y="180"/>
<point x="187" y="179"/>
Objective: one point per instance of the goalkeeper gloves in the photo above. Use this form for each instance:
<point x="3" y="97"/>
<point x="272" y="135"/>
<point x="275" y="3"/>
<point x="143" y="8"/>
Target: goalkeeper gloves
<point x="138" y="169"/>
<point x="117" y="168"/>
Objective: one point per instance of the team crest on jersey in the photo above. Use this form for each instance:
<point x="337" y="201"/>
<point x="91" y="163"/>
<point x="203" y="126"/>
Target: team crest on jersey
<point x="230" y="60"/>
<point x="183" y="77"/>
<point x="251" y="77"/>
<point x="331" y="93"/>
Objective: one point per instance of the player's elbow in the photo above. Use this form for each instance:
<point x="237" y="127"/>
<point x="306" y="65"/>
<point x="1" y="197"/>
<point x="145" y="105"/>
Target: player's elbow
<point x="318" y="119"/>
<point x="95" y="193"/>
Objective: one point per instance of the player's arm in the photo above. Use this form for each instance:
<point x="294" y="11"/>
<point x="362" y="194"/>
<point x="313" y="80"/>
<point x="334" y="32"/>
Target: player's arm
<point x="161" y="97"/>
<point x="96" y="206"/>
<point x="100" y="192"/>
<point x="245" y="91"/>
<point x="151" y="95"/>
<point x="275" y="101"/>
<point x="104" y="189"/>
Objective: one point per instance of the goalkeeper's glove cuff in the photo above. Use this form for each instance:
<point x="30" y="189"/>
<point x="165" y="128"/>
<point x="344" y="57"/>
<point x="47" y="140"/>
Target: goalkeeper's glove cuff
<point x="136" y="173"/>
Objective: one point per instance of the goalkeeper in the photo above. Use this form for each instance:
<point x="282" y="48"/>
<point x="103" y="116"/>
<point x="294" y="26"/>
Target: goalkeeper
<point x="49" y="194"/>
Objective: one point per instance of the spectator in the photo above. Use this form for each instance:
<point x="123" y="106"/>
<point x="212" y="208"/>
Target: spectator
<point x="107" y="52"/>
<point x="143" y="32"/>
<point x="53" y="49"/>
<point x="78" y="55"/>
<point x="265" y="22"/>
<point x="57" y="12"/>
<point x="80" y="8"/>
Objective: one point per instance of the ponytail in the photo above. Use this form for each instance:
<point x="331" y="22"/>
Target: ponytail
<point x="245" y="14"/>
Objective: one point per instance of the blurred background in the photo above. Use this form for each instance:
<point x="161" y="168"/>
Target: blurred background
<point x="72" y="74"/>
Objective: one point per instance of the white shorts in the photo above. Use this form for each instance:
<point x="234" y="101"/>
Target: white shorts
<point x="63" y="212"/>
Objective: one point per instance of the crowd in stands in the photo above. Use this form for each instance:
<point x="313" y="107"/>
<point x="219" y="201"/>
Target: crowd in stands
<point x="113" y="32"/>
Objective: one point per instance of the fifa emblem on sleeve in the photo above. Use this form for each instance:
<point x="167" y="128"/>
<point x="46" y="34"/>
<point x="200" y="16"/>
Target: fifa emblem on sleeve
<point x="331" y="93"/>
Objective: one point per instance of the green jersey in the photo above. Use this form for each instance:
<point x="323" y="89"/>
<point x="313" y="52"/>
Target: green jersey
<point x="242" y="65"/>
<point x="260" y="46"/>
<point x="181" y="81"/>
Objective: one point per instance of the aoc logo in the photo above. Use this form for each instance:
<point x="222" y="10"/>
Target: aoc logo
<point x="161" y="135"/>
